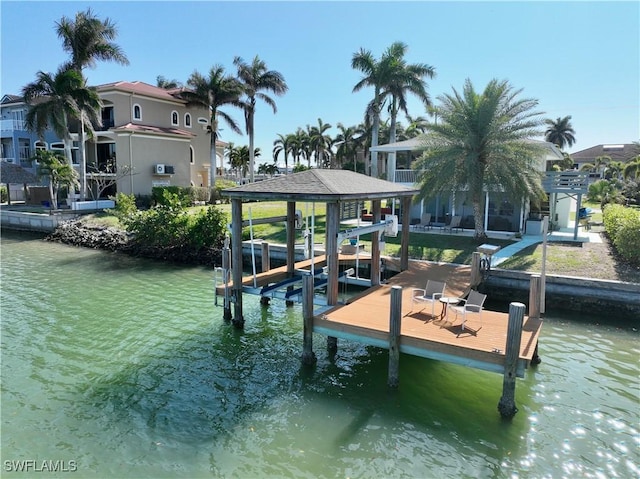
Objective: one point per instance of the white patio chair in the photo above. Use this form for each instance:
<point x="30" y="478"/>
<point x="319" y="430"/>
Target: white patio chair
<point x="470" y="306"/>
<point x="432" y="293"/>
<point x="425" y="221"/>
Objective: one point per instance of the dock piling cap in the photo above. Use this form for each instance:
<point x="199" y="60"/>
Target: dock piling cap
<point x="488" y="249"/>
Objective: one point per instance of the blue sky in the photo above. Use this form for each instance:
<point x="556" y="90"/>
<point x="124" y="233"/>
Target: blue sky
<point x="577" y="58"/>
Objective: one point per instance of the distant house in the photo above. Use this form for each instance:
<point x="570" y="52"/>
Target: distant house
<point x="152" y="130"/>
<point x="499" y="213"/>
<point x="618" y="152"/>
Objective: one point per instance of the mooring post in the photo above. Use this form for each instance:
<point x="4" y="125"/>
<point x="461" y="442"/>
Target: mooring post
<point x="475" y="270"/>
<point x="236" y="261"/>
<point x="332" y="229"/>
<point x="265" y="257"/>
<point x="395" y="323"/>
<point x="226" y="268"/>
<point x="534" y="296"/>
<point x="308" y="356"/>
<point x="507" y="404"/>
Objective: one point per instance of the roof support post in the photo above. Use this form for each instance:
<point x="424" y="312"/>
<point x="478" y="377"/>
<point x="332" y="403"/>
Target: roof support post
<point x="236" y="260"/>
<point x="291" y="237"/>
<point x="404" y="240"/>
<point x="375" y="245"/>
<point x="333" y="226"/>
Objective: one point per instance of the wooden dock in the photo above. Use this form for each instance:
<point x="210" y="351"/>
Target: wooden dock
<point x="366" y="319"/>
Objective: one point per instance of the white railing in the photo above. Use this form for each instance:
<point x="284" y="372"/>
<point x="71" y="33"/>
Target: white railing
<point x="405" y="176"/>
<point x="10" y="125"/>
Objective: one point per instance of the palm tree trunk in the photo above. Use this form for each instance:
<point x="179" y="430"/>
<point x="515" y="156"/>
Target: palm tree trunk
<point x="391" y="157"/>
<point x="83" y="163"/>
<point x="375" y="131"/>
<point x="478" y="219"/>
<point x="213" y="159"/>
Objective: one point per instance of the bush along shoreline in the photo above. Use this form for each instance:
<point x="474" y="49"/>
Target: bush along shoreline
<point x="167" y="232"/>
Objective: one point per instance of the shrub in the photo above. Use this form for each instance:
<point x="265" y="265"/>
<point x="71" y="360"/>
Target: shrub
<point x="3" y="194"/>
<point x="158" y="193"/>
<point x="207" y="228"/>
<point x="198" y="193"/>
<point x="222" y="185"/>
<point x="125" y="206"/>
<point x="622" y="225"/>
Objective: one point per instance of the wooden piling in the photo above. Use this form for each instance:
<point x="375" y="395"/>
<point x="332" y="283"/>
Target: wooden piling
<point x="265" y="257"/>
<point x="534" y="296"/>
<point x="332" y="229"/>
<point x="308" y="356"/>
<point x="226" y="268"/>
<point x="236" y="261"/>
<point x="476" y="275"/>
<point x="507" y="404"/>
<point x="395" y="323"/>
<point x="375" y="245"/>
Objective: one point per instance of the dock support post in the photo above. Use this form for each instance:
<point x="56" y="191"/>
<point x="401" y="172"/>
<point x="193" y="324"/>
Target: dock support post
<point x="308" y="356"/>
<point x="404" y="240"/>
<point x="236" y="261"/>
<point x="226" y="268"/>
<point x="375" y="245"/>
<point x="507" y="404"/>
<point x="395" y="323"/>
<point x="333" y="227"/>
<point x="534" y="296"/>
<point x="265" y="257"/>
<point x="476" y="277"/>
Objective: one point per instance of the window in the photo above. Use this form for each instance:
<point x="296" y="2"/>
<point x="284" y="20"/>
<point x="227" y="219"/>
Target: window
<point x="191" y="158"/>
<point x="39" y="145"/>
<point x="187" y="120"/>
<point x="174" y="118"/>
<point x="137" y="112"/>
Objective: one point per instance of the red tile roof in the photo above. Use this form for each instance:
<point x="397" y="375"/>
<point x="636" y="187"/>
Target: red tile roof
<point x="141" y="88"/>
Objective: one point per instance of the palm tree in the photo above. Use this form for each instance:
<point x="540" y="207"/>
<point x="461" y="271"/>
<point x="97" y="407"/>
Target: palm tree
<point x="268" y="168"/>
<point x="58" y="171"/>
<point x="212" y="92"/>
<point x="87" y="39"/>
<point x="376" y="75"/>
<point x="632" y="169"/>
<point x="283" y="144"/>
<point x="598" y="166"/>
<point x="320" y="142"/>
<point x="162" y="82"/>
<point x="240" y="159"/>
<point x="347" y="142"/>
<point x="52" y="104"/>
<point x="417" y="126"/>
<point x="257" y="79"/>
<point x="404" y="78"/>
<point x="560" y="132"/>
<point x="480" y="144"/>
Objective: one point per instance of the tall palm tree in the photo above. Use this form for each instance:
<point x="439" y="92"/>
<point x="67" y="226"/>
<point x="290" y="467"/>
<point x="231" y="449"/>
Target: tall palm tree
<point x="560" y="132"/>
<point x="256" y="79"/>
<point x="55" y="100"/>
<point x="88" y="39"/>
<point x="376" y="75"/>
<point x="598" y="166"/>
<point x="347" y="141"/>
<point x="320" y="141"/>
<point x="480" y="144"/>
<point x="417" y="126"/>
<point x="282" y="145"/>
<point x="240" y="159"/>
<point x="404" y="79"/>
<point x="214" y="91"/>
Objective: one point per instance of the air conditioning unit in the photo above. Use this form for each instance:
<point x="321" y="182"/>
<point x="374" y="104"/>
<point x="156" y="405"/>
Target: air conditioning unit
<point x="168" y="169"/>
<point x="158" y="169"/>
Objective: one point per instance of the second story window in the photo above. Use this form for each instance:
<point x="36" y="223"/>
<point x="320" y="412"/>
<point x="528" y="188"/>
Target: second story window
<point x="137" y="112"/>
<point x="174" y="118"/>
<point x="187" y="120"/>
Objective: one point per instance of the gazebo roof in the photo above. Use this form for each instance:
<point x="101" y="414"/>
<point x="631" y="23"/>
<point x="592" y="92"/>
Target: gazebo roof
<point x="15" y="174"/>
<point x="321" y="185"/>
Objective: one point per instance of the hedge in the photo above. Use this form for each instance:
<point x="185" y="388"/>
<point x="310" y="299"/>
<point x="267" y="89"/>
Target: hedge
<point x="622" y="225"/>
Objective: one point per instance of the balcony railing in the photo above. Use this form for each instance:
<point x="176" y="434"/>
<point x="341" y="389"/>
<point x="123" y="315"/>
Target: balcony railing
<point x="566" y="182"/>
<point x="405" y="176"/>
<point x="11" y="125"/>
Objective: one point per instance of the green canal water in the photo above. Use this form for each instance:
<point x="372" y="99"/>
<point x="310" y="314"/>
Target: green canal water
<point x="118" y="367"/>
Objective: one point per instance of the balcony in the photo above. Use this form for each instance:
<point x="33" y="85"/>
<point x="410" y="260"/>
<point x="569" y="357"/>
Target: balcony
<point x="12" y="125"/>
<point x="405" y="176"/>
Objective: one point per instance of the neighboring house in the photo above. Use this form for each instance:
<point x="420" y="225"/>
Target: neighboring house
<point x="17" y="145"/>
<point x="619" y="152"/>
<point x="149" y="129"/>
<point x="154" y="132"/>
<point x="499" y="213"/>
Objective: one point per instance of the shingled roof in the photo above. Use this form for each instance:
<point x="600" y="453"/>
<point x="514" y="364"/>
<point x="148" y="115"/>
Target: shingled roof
<point x="15" y="174"/>
<point x="320" y="185"/>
